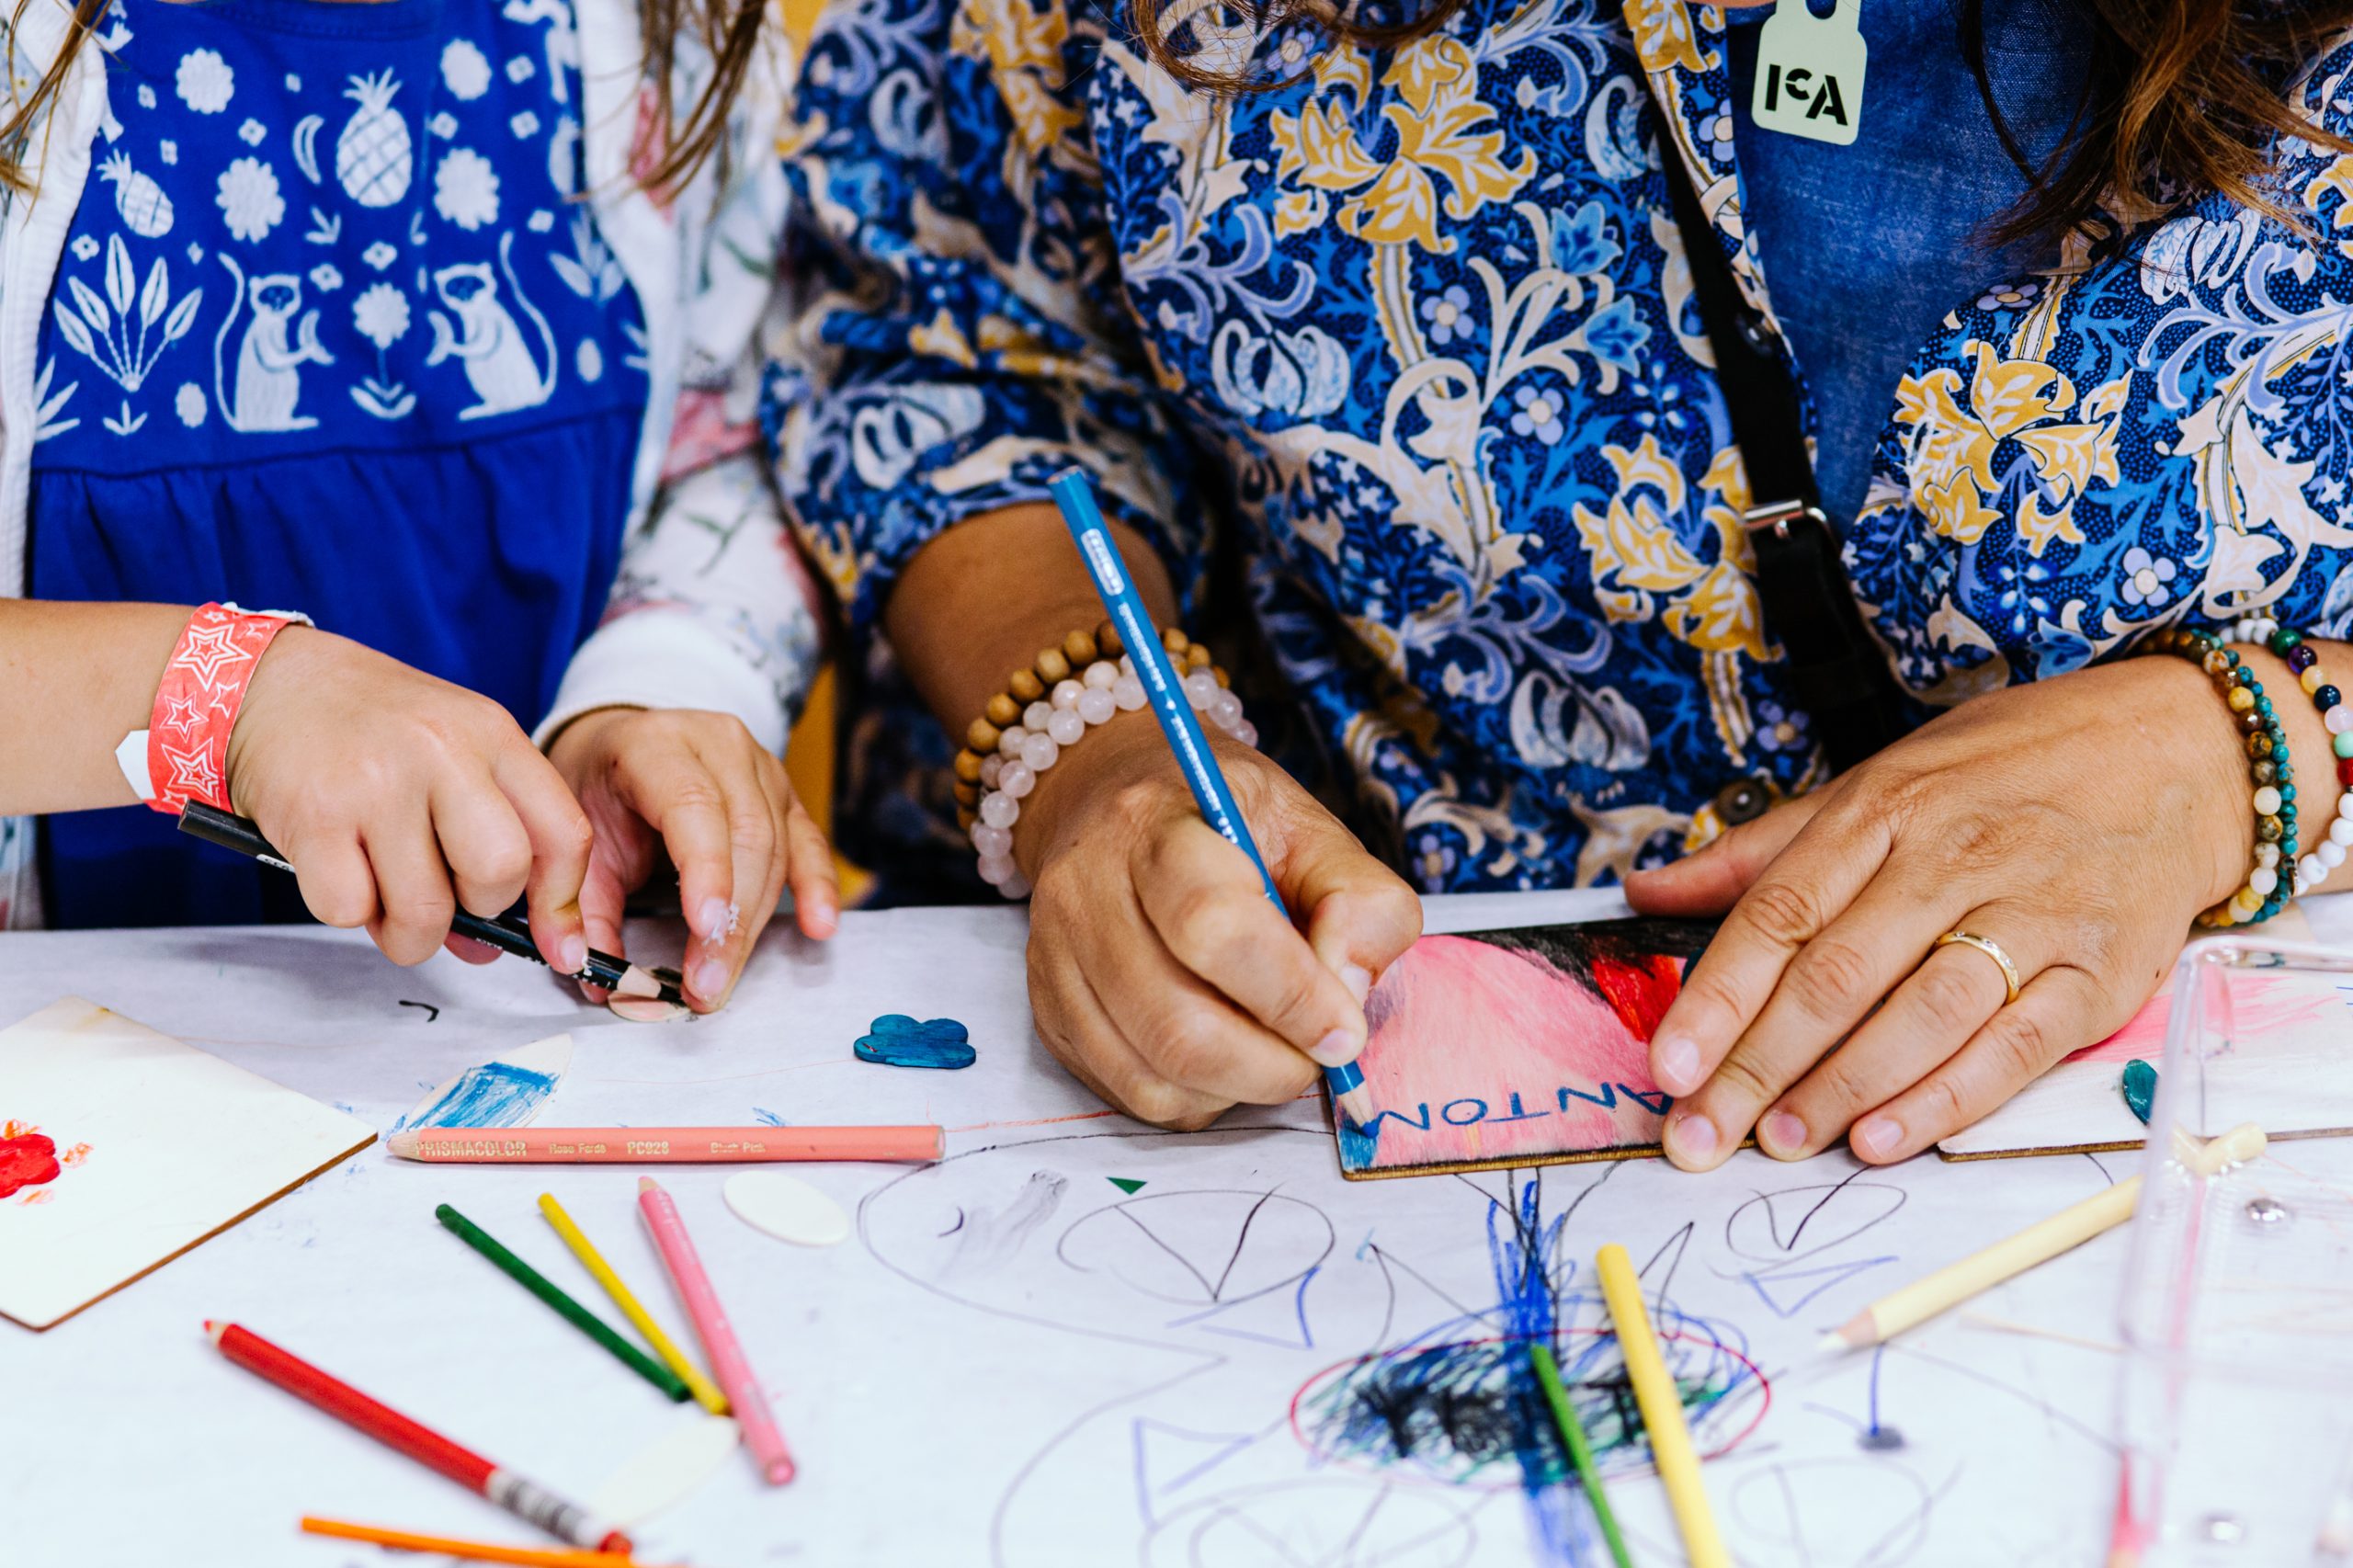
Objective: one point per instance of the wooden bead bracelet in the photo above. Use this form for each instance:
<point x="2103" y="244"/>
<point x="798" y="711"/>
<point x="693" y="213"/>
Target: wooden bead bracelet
<point x="1068" y="690"/>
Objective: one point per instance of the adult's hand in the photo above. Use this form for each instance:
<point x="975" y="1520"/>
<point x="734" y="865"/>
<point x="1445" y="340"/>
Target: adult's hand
<point x="699" y="786"/>
<point x="399" y="797"/>
<point x="2080" y="823"/>
<point x="1160" y="973"/>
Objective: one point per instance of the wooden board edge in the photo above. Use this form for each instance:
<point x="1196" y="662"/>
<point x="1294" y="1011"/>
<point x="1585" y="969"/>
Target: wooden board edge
<point x="181" y="1252"/>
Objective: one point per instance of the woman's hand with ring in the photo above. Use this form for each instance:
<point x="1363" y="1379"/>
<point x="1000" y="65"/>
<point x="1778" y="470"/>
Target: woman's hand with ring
<point x="2079" y="823"/>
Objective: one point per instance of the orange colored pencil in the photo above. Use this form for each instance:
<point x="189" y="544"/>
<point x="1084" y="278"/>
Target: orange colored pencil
<point x="473" y="1551"/>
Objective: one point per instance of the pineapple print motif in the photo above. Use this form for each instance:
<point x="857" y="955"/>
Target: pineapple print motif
<point x="372" y="157"/>
<point x="145" y="209"/>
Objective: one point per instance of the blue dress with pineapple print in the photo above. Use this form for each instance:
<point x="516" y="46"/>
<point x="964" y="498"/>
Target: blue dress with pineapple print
<point x="330" y="332"/>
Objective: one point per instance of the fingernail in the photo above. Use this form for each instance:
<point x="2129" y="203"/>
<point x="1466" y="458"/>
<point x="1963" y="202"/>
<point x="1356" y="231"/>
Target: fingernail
<point x="1678" y="1064"/>
<point x="574" y="952"/>
<point x="709" y="980"/>
<point x="1359" y="980"/>
<point x="1875" y="1136"/>
<point x="715" y="919"/>
<point x="1693" y="1136"/>
<point x="1336" y="1049"/>
<point x="1781" y="1133"/>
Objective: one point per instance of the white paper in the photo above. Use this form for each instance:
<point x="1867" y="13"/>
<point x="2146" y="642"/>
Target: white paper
<point x="172" y="1144"/>
<point x="1004" y="1366"/>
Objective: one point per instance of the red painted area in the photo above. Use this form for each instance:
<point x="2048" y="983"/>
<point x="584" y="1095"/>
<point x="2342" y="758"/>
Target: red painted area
<point x="1640" y="993"/>
<point x="28" y="1159"/>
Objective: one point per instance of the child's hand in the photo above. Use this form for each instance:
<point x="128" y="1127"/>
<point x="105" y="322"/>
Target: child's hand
<point x="399" y="797"/>
<point x="700" y="787"/>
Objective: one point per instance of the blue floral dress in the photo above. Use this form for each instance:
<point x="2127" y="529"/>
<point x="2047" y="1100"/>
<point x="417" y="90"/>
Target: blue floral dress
<point x="1416" y="324"/>
<point x="330" y="334"/>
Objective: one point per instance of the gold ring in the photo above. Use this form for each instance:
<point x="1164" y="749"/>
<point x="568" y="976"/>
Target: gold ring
<point x="1992" y="950"/>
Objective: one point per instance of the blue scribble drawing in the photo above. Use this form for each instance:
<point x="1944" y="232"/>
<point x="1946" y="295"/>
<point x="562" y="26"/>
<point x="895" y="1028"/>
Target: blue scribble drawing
<point x="895" y="1039"/>
<point x="506" y="1092"/>
<point x="767" y="1117"/>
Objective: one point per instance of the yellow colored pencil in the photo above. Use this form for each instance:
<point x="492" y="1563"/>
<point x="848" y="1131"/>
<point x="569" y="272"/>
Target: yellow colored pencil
<point x="1662" y="1406"/>
<point x="706" y="1392"/>
<point x="2038" y="1244"/>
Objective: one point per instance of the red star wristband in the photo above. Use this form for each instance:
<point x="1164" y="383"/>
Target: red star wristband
<point x="195" y="705"/>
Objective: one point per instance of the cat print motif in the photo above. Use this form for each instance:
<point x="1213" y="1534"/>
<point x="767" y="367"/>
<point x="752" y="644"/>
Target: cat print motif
<point x="500" y="366"/>
<point x="270" y="375"/>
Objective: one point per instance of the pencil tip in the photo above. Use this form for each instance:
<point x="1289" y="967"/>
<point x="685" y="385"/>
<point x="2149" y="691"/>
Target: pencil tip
<point x="1355" y="1107"/>
<point x="636" y="982"/>
<point x="647" y="1184"/>
<point x="402" y="1144"/>
<point x="1835" y="1342"/>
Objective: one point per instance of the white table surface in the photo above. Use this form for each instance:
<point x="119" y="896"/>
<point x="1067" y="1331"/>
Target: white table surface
<point x="968" y="1379"/>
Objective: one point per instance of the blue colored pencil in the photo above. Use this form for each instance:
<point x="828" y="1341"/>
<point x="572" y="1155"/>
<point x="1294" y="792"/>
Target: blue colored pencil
<point x="1177" y="721"/>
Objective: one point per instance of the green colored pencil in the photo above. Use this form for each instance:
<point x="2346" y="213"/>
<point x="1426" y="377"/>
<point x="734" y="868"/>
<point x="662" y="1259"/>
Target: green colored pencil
<point x="572" y="1311"/>
<point x="1548" y="1372"/>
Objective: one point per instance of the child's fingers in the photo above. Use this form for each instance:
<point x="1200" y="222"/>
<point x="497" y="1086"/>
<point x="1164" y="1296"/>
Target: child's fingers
<point x="560" y="839"/>
<point x="816" y="890"/>
<point x="413" y="886"/>
<point x="725" y="930"/>
<point x="332" y="871"/>
<point x="602" y="898"/>
<point x="489" y="853"/>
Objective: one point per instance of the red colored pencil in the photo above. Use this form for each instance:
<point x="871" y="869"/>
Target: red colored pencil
<point x="663" y="1145"/>
<point x="524" y="1499"/>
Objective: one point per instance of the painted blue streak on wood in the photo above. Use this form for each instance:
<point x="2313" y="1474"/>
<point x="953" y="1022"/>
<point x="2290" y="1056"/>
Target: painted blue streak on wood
<point x="494" y="1094"/>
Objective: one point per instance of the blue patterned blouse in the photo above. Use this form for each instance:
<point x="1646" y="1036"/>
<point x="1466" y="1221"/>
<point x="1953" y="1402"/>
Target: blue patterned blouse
<point x="329" y="335"/>
<point x="1421" y="316"/>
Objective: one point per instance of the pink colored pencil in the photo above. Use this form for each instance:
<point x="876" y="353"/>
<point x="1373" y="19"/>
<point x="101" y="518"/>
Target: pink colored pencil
<point x="664" y="1146"/>
<point x="727" y="1364"/>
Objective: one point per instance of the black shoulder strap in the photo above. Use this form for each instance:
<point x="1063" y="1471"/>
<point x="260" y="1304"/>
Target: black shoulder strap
<point x="1836" y="672"/>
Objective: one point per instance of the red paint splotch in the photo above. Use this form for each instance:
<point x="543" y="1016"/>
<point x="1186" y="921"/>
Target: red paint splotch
<point x="27" y="1158"/>
<point x="1640" y="993"/>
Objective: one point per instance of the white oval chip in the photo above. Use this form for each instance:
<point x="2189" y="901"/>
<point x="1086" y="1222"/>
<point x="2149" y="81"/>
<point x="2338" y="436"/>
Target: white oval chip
<point x="787" y="1208"/>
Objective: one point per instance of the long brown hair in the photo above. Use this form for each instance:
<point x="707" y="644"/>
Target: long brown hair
<point x="2182" y="98"/>
<point x="728" y="30"/>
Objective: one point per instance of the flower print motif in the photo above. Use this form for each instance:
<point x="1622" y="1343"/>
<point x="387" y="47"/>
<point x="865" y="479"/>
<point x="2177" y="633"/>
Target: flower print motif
<point x="85" y="247"/>
<point x="1582" y="243"/>
<point x="2014" y="431"/>
<point x="251" y="133"/>
<point x="169" y="150"/>
<point x="1434" y="858"/>
<point x="2146" y="577"/>
<point x="1616" y="335"/>
<point x="444" y="125"/>
<point x="204" y="81"/>
<point x="325" y="279"/>
<point x="2007" y="296"/>
<point x="381" y="314"/>
<point x="247" y="194"/>
<point x="519" y="69"/>
<point x="465" y="189"/>
<point x="1447" y="315"/>
<point x="146" y="95"/>
<point x="1293" y="52"/>
<point x="190" y="404"/>
<point x="380" y="255"/>
<point x="1303" y="374"/>
<point x="1539" y="416"/>
<point x="465" y="71"/>
<point x="524" y="125"/>
<point x="1778" y="729"/>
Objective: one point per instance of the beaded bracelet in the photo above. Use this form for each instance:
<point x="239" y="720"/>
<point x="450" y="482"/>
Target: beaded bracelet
<point x="2303" y="661"/>
<point x="2267" y="890"/>
<point x="1067" y="692"/>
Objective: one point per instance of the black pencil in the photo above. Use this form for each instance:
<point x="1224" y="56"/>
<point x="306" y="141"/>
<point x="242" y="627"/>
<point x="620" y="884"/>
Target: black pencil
<point x="508" y="933"/>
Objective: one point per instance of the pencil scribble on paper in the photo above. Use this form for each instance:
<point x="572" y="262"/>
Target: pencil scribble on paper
<point x="504" y="1092"/>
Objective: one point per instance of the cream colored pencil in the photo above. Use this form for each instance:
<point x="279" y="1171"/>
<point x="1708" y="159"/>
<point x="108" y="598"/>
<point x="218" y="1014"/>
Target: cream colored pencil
<point x="705" y="1393"/>
<point x="1661" y="1403"/>
<point x="2040" y="1243"/>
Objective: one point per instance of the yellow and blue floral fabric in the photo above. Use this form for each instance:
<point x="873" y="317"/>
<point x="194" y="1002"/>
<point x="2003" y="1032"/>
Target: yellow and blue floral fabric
<point x="330" y="332"/>
<point x="1417" y="323"/>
